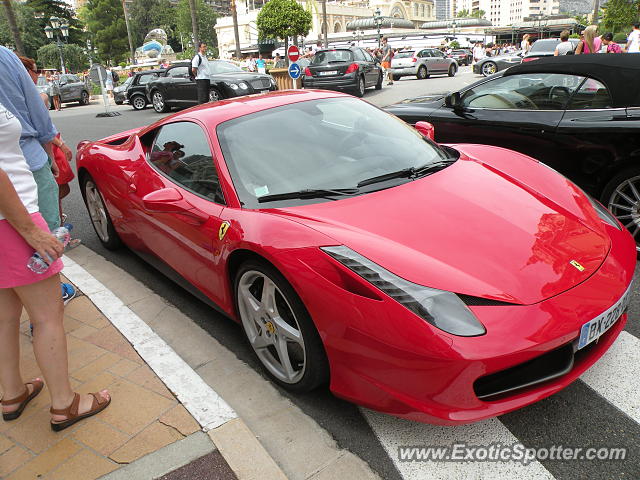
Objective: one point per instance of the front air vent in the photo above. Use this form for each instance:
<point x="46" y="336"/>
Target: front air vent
<point x="472" y="301"/>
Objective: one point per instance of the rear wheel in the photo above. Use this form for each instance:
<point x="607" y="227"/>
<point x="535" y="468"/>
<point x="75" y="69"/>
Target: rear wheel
<point x="622" y="197"/>
<point x="360" y="88"/>
<point x="99" y="215"/>
<point x="159" y="104"/>
<point x="489" y="68"/>
<point x="84" y="98"/>
<point x="214" y="95"/>
<point x="379" y="82"/>
<point x="279" y="328"/>
<point x="422" y="72"/>
<point x="452" y="70"/>
<point x="396" y="77"/>
<point x="138" y="102"/>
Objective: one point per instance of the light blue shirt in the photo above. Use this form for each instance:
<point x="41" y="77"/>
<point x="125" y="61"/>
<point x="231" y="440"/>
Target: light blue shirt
<point x="19" y="95"/>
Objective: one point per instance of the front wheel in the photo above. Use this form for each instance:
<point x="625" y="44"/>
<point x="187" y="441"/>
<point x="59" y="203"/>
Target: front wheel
<point x="379" y="82"/>
<point x="622" y="197"/>
<point x="99" y="215"/>
<point x="452" y="70"/>
<point x="360" y="88"/>
<point x="396" y="77"/>
<point x="422" y="73"/>
<point x="138" y="102"/>
<point x="489" y="68"/>
<point x="159" y="104"/>
<point x="214" y="95"/>
<point x="84" y="98"/>
<point x="279" y="328"/>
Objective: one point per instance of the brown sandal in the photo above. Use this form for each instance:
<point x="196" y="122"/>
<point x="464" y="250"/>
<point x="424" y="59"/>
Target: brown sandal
<point x="23" y="400"/>
<point x="71" y="412"/>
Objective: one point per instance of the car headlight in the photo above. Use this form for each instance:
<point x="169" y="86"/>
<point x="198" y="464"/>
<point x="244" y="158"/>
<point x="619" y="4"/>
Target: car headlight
<point x="273" y="80"/>
<point x="243" y="85"/>
<point x="233" y="86"/>
<point x="604" y="214"/>
<point x="442" y="309"/>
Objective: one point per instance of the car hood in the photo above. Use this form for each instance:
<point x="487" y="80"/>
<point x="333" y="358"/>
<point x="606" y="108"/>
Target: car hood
<point x="474" y="228"/>
<point x="235" y="77"/>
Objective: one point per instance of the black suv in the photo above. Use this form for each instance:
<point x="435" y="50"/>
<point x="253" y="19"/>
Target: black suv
<point x="351" y="69"/>
<point x="136" y="93"/>
<point x="174" y="88"/>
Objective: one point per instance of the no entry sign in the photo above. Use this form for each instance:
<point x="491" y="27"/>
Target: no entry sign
<point x="293" y="53"/>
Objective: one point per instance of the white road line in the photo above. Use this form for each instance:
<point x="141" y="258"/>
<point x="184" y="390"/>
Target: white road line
<point x="394" y="432"/>
<point x="204" y="404"/>
<point x="616" y="376"/>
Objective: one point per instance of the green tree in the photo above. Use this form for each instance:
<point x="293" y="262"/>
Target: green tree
<point x="75" y="58"/>
<point x="145" y="15"/>
<point x="45" y="9"/>
<point x="283" y="19"/>
<point x="619" y="15"/>
<point x="206" y="17"/>
<point x="105" y="22"/>
<point x="462" y="13"/>
<point x="478" y="14"/>
<point x="13" y="25"/>
<point x="32" y="35"/>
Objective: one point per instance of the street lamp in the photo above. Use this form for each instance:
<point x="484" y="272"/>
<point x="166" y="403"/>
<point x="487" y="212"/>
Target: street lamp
<point x="57" y="25"/>
<point x="357" y="35"/>
<point x="377" y="17"/>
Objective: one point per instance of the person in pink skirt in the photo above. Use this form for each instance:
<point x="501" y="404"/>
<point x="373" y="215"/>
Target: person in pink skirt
<point x="23" y="231"/>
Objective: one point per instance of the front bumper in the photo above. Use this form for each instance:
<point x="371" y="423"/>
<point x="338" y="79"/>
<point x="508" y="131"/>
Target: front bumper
<point x="120" y="97"/>
<point x="477" y="68"/>
<point x="384" y="357"/>
<point x="345" y="82"/>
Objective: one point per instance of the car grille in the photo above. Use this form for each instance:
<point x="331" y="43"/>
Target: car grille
<point x="261" y="83"/>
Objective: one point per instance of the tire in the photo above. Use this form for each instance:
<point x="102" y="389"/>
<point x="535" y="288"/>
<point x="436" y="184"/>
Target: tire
<point x="379" y="82"/>
<point x="158" y="102"/>
<point x="138" y="102"/>
<point x="118" y="102"/>
<point x="396" y="77"/>
<point x="360" y="88"/>
<point x="489" y="68"/>
<point x="452" y="70"/>
<point x="84" y="98"/>
<point x="613" y="197"/>
<point x="422" y="73"/>
<point x="214" y="95"/>
<point x="99" y="215"/>
<point x="279" y="328"/>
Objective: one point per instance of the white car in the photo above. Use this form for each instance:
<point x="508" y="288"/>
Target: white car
<point x="422" y="63"/>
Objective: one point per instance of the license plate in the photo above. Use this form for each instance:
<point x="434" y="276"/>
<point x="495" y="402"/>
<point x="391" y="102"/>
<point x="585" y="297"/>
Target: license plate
<point x="328" y="72"/>
<point x="594" y="329"/>
<point x="264" y="91"/>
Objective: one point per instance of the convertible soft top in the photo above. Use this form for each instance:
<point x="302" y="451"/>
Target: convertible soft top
<point x="619" y="72"/>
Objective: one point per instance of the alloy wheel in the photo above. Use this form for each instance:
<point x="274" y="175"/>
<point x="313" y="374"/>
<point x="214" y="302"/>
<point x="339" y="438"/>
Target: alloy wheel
<point x="138" y="102"/>
<point x="158" y="102"/>
<point x="214" y="96"/>
<point x="624" y="203"/>
<point x="97" y="211"/>
<point x="271" y="326"/>
<point x="489" y="68"/>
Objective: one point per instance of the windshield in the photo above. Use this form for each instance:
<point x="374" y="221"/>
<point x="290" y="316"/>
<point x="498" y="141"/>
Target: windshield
<point x="326" y="57"/>
<point x="220" y="66"/>
<point x="320" y="144"/>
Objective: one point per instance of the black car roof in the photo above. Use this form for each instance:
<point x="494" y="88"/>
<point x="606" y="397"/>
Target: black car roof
<point x="619" y="72"/>
<point x="146" y="72"/>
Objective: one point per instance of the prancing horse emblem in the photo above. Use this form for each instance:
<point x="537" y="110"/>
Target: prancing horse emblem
<point x="224" y="226"/>
<point x="577" y="265"/>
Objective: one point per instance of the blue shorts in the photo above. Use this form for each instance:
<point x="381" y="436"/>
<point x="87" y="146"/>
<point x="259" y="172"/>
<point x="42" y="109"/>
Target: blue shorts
<point x="48" y="199"/>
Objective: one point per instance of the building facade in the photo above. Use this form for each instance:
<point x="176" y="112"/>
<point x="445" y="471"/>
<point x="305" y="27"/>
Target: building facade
<point x="508" y="12"/>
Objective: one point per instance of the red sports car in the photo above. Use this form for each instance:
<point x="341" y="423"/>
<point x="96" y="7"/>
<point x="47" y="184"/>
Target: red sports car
<point x="445" y="284"/>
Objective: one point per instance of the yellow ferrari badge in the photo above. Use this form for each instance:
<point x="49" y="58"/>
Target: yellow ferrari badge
<point x="224" y="226"/>
<point x="577" y="265"/>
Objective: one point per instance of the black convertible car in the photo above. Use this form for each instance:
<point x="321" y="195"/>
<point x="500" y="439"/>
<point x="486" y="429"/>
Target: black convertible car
<point x="174" y="88"/>
<point x="579" y="114"/>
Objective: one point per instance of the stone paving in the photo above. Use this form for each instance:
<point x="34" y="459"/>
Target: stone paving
<point x="143" y="417"/>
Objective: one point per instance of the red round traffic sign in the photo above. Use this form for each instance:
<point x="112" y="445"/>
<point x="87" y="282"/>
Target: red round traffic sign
<point x="293" y="53"/>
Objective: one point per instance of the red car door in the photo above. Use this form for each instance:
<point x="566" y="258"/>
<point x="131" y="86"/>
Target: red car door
<point x="180" y="205"/>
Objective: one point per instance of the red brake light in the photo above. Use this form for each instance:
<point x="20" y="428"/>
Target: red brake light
<point x="307" y="72"/>
<point x="528" y="59"/>
<point x="414" y="59"/>
<point x="352" y="68"/>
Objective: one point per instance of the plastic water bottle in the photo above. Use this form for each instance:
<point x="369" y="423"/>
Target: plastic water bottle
<point x="38" y="264"/>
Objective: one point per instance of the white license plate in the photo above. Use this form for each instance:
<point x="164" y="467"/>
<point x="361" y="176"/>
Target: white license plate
<point x="264" y="91"/>
<point x="594" y="329"/>
<point x="328" y="72"/>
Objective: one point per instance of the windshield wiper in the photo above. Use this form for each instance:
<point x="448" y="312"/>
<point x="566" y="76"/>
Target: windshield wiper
<point x="411" y="172"/>
<point x="309" y="193"/>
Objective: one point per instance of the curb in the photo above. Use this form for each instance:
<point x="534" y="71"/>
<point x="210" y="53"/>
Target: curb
<point x="240" y="448"/>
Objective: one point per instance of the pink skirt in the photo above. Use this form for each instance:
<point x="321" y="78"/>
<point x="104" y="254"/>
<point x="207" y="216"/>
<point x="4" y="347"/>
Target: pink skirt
<point x="15" y="254"/>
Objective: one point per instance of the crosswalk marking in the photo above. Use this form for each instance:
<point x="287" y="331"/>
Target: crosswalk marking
<point x="616" y="376"/>
<point x="394" y="432"/>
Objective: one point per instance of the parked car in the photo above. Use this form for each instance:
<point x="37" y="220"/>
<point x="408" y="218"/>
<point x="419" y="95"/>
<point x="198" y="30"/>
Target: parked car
<point x="71" y="88"/>
<point x="545" y="47"/>
<point x="462" y="56"/>
<point x="174" y="88"/>
<point x="490" y="65"/>
<point x="370" y="262"/>
<point x="120" y="92"/>
<point x="422" y="63"/>
<point x="346" y="69"/>
<point x="137" y="92"/>
<point x="580" y="114"/>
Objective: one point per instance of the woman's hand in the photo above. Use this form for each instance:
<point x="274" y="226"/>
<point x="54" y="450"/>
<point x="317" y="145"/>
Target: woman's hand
<point x="48" y="246"/>
<point x="66" y="150"/>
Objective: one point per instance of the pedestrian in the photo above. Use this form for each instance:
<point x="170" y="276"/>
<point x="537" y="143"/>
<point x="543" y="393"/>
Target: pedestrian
<point x="633" y="40"/>
<point x="610" y="45"/>
<point x="589" y="42"/>
<point x="387" y="57"/>
<point x="23" y="230"/>
<point x="524" y="44"/>
<point x="565" y="46"/>
<point x="261" y="65"/>
<point x="20" y="97"/>
<point x="279" y="62"/>
<point x="108" y="82"/>
<point x="252" y="64"/>
<point x="478" y="52"/>
<point x="200" y="69"/>
<point x="54" y="89"/>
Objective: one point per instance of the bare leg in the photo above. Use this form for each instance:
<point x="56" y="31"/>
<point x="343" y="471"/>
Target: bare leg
<point x="44" y="305"/>
<point x="63" y="191"/>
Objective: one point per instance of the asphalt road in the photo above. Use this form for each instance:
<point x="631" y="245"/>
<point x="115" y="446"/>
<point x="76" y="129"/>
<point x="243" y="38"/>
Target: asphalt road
<point x="578" y="415"/>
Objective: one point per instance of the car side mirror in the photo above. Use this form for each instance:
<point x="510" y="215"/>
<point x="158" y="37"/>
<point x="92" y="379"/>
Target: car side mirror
<point x="62" y="83"/>
<point x="426" y="129"/>
<point x="453" y="100"/>
<point x="170" y="200"/>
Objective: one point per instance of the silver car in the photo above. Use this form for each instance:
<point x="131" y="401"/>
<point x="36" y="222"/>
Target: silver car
<point x="422" y="63"/>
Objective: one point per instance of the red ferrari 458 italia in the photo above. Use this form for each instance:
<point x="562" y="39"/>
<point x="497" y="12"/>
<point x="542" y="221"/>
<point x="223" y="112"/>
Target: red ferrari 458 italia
<point x="440" y="283"/>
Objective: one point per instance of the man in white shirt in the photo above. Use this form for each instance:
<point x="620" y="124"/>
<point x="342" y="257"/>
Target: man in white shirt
<point x="633" y="40"/>
<point x="200" y="66"/>
<point x="478" y="52"/>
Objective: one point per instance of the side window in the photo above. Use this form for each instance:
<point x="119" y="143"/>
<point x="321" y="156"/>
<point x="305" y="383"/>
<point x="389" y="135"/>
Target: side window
<point x="437" y="54"/>
<point x="358" y="55"/>
<point x="368" y="56"/>
<point x="144" y="79"/>
<point x="178" y="72"/>
<point x="73" y="79"/>
<point x="592" y="94"/>
<point x="528" y="91"/>
<point x="181" y="152"/>
<point x="424" y="54"/>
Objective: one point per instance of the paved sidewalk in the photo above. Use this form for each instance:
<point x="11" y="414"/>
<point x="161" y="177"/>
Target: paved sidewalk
<point x="144" y="417"/>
